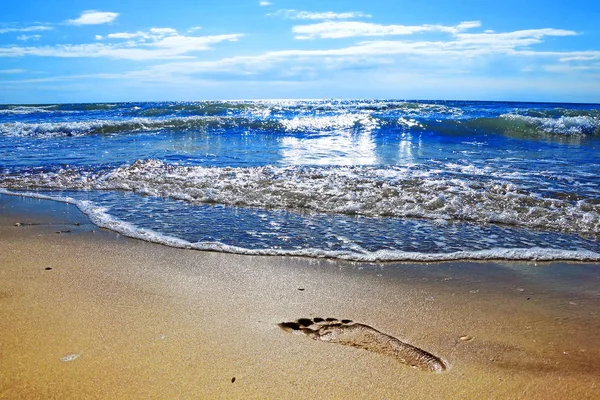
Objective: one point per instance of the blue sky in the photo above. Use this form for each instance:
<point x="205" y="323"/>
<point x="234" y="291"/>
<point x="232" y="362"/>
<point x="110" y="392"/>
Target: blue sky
<point x="94" y="51"/>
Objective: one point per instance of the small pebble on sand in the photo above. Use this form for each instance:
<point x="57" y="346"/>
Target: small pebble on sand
<point x="69" y="357"/>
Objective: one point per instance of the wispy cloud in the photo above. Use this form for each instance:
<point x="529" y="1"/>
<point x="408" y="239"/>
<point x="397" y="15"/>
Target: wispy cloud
<point x="163" y="31"/>
<point x="347" y="29"/>
<point x="407" y="53"/>
<point x="456" y="47"/>
<point x="565" y="68"/>
<point x="326" y="15"/>
<point x="459" y="53"/>
<point x="12" y="71"/>
<point x="156" y="43"/>
<point x="264" y="3"/>
<point x="93" y="17"/>
<point x="25" y="38"/>
<point x="589" y="57"/>
<point x="512" y="39"/>
<point x="34" y="28"/>
<point x="154" y="34"/>
<point x="127" y="35"/>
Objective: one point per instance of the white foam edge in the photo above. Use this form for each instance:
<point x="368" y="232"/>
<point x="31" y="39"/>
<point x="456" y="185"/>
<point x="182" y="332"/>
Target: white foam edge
<point x="101" y="218"/>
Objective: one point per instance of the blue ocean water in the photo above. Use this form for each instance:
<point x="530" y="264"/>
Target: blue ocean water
<point x="360" y="180"/>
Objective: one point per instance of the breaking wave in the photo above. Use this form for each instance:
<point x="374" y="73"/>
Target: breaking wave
<point x="183" y="124"/>
<point x="564" y="125"/>
<point x="24" y="110"/>
<point x="510" y="124"/>
<point x="396" y="191"/>
<point x="99" y="216"/>
<point x="81" y="128"/>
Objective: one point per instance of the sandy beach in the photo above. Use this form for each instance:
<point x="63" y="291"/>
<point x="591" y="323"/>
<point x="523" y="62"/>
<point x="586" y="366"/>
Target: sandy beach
<point x="86" y="313"/>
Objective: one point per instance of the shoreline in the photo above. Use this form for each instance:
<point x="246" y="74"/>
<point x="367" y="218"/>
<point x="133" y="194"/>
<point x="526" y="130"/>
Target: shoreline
<point x="97" y="216"/>
<point x="154" y="321"/>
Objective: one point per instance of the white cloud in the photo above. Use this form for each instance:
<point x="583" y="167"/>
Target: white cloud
<point x="563" y="68"/>
<point x="153" y="34"/>
<point x="566" y="55"/>
<point x="157" y="43"/>
<point x="346" y="29"/>
<point x="458" y="53"/>
<point x="185" y="44"/>
<point x="12" y="71"/>
<point x="27" y="29"/>
<point x="512" y="39"/>
<point x="463" y="26"/>
<point x="165" y="43"/>
<point x="581" y="58"/>
<point x="194" y="29"/>
<point x="25" y="38"/>
<point x="452" y="53"/>
<point x="264" y="3"/>
<point x="92" y="17"/>
<point x="326" y="15"/>
<point x="163" y="31"/>
<point x="127" y="35"/>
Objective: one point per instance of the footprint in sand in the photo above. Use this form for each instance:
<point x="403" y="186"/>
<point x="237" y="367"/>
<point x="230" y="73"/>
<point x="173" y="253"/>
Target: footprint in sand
<point x="363" y="336"/>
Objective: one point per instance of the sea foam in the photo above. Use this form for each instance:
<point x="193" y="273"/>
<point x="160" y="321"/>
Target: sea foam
<point x="398" y="192"/>
<point x="100" y="217"/>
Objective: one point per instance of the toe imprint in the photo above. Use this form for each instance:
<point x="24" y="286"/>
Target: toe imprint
<point x="350" y="333"/>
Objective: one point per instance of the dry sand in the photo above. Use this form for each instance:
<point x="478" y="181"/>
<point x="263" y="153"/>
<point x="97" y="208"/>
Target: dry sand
<point x="149" y="321"/>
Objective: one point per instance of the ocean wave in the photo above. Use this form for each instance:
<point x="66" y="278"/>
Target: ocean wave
<point x="506" y="124"/>
<point x="24" y="110"/>
<point x="207" y="108"/>
<point x="325" y="123"/>
<point x="559" y="112"/>
<point x="100" y="217"/>
<point x="133" y="125"/>
<point x="351" y="106"/>
<point x="291" y="116"/>
<point x="564" y="125"/>
<point x="307" y="124"/>
<point x="90" y="106"/>
<point x="526" y="126"/>
<point x="157" y="109"/>
<point x="401" y="192"/>
<point x="566" y="129"/>
<point x="225" y="108"/>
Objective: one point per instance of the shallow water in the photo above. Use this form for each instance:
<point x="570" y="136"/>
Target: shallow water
<point x="362" y="180"/>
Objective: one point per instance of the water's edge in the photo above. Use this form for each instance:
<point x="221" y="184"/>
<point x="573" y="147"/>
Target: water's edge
<point x="102" y="219"/>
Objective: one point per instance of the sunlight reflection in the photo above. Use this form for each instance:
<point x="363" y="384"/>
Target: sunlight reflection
<point x="405" y="154"/>
<point x="339" y="148"/>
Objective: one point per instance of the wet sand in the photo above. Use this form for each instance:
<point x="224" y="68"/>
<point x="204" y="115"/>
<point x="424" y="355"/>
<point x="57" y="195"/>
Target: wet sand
<point x="121" y="318"/>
